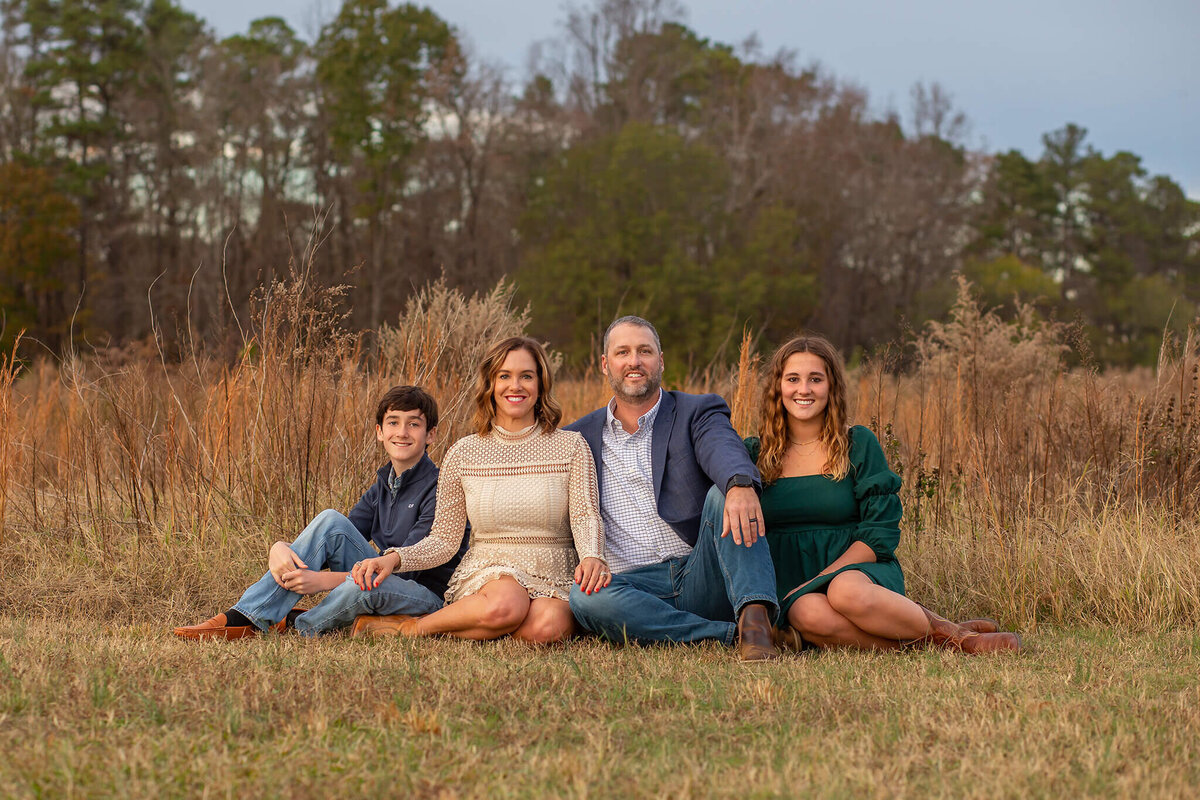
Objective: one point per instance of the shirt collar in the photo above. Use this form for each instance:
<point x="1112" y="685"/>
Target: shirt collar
<point x="395" y="482"/>
<point x="645" y="421"/>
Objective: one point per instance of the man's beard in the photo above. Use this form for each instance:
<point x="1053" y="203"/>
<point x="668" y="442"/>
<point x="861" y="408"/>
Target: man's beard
<point x="652" y="384"/>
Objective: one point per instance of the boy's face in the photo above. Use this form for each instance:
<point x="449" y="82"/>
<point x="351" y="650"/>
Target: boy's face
<point x="404" y="436"/>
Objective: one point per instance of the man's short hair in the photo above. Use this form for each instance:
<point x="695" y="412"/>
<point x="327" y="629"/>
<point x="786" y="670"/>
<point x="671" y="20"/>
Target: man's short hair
<point x="631" y="320"/>
<point x="408" y="398"/>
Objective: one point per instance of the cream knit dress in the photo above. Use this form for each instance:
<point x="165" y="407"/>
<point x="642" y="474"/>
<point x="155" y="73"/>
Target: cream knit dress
<point x="533" y="502"/>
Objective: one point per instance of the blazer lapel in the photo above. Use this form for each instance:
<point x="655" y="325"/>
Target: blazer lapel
<point x="664" y="421"/>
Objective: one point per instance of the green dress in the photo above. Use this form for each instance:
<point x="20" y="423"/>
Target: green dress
<point x="812" y="520"/>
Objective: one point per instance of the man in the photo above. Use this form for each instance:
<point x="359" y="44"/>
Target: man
<point x="662" y="457"/>
<point x="396" y="511"/>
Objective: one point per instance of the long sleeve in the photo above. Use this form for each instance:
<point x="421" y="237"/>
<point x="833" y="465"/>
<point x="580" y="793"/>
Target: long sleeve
<point x="718" y="448"/>
<point x="449" y="521"/>
<point x="362" y="516"/>
<point x="876" y="489"/>
<point x="583" y="502"/>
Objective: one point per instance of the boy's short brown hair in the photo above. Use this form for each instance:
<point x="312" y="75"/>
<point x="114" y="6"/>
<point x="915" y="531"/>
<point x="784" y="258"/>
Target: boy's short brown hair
<point x="408" y="398"/>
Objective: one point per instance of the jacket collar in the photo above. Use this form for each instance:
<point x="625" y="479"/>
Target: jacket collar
<point x="419" y="470"/>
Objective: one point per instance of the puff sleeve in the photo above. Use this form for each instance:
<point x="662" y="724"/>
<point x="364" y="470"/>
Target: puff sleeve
<point x="876" y="488"/>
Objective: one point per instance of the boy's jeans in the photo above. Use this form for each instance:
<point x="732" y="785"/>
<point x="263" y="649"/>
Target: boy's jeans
<point x="331" y="541"/>
<point x="686" y="599"/>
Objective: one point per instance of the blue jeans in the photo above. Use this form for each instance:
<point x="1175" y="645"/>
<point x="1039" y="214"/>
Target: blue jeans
<point x="685" y="599"/>
<point x="331" y="541"/>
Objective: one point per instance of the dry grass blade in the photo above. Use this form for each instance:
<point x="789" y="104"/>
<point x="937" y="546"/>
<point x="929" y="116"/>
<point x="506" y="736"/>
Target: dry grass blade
<point x="145" y="489"/>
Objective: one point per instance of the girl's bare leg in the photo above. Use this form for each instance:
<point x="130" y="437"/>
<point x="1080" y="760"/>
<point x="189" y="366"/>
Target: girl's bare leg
<point x="874" y="609"/>
<point x="820" y="624"/>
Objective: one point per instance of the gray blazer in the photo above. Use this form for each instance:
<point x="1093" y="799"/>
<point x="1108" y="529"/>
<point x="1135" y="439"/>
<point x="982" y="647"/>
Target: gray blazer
<point x="694" y="447"/>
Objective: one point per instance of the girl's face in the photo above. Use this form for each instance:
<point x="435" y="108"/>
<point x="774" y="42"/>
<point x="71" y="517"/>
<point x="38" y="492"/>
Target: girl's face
<point x="804" y="387"/>
<point x="515" y="390"/>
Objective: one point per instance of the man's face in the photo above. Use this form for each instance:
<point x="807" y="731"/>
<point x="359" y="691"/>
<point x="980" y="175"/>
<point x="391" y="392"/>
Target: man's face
<point x="404" y="436"/>
<point x="633" y="363"/>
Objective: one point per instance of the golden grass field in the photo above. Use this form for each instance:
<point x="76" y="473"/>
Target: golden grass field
<point x="138" y="491"/>
<point x="119" y="710"/>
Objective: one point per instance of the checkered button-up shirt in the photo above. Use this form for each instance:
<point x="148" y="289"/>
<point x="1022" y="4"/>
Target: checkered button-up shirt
<point x="635" y="534"/>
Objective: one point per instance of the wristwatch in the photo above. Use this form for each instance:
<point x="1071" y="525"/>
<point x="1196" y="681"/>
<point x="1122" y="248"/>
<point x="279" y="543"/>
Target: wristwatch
<point x="739" y="480"/>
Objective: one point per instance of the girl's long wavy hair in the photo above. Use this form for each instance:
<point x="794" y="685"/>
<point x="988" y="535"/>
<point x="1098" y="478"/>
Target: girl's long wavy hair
<point x="772" y="429"/>
<point x="546" y="410"/>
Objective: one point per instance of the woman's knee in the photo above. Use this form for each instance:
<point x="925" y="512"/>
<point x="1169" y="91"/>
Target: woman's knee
<point x="813" y="616"/>
<point x="504" y="610"/>
<point x="849" y="594"/>
<point x="546" y="627"/>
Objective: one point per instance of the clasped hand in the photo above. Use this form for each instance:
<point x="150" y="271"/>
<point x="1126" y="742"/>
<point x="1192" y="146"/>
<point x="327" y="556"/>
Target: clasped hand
<point x="290" y="571"/>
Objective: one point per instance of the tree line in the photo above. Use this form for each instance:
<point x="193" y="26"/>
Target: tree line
<point x="157" y="180"/>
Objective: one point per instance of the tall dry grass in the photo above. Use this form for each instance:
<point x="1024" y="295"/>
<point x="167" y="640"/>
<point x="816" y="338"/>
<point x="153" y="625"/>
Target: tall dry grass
<point x="1035" y="492"/>
<point x="139" y="487"/>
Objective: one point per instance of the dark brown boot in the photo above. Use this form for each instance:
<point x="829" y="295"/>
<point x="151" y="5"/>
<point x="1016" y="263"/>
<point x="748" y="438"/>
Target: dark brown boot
<point x="754" y="634"/>
<point x="944" y="633"/>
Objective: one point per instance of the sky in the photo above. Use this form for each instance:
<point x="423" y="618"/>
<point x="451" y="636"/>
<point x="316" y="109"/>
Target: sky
<point x="1127" y="70"/>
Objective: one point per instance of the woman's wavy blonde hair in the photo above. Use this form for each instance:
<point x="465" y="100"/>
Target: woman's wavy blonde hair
<point x="546" y="410"/>
<point x="772" y="429"/>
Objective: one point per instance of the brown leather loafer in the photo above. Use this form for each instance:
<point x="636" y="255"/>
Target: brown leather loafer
<point x="383" y="625"/>
<point x="217" y="628"/>
<point x="754" y="634"/>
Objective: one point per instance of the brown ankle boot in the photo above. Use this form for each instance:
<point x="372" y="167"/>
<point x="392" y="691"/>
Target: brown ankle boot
<point x="944" y="633"/>
<point x="787" y="639"/>
<point x="386" y="625"/>
<point x="981" y="625"/>
<point x="754" y="634"/>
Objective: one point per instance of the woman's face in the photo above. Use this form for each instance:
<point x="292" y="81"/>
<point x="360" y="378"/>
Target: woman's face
<point x="804" y="387"/>
<point x="515" y="390"/>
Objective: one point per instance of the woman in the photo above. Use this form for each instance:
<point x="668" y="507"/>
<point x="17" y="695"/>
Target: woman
<point x="832" y="518"/>
<point x="530" y="493"/>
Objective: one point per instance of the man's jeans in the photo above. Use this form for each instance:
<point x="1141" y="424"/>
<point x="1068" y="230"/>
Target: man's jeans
<point x="686" y="599"/>
<point x="331" y="541"/>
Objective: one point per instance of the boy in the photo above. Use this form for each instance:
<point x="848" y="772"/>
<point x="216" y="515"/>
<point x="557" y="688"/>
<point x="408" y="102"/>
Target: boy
<point x="396" y="511"/>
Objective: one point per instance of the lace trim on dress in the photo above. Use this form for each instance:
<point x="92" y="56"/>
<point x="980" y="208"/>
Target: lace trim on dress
<point x="508" y="471"/>
<point x="541" y="540"/>
<point x="535" y="586"/>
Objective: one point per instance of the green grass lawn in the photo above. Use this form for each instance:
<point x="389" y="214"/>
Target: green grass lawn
<point x="91" y="709"/>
